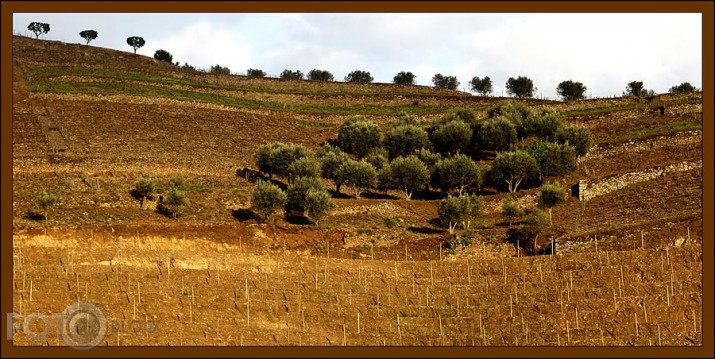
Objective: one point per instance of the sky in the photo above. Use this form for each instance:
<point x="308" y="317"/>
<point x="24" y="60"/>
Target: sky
<point x="604" y="51"/>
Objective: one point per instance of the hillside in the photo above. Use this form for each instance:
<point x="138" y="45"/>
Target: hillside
<point x="89" y="122"/>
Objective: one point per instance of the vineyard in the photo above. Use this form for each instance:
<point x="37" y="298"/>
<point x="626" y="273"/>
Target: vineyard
<point x="89" y="122"/>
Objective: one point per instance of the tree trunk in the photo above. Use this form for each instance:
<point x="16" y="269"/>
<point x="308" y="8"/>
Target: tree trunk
<point x="550" y="222"/>
<point x="141" y="203"/>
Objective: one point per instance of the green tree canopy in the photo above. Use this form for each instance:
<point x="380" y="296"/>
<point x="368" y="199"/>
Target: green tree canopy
<point x="497" y="134"/>
<point x="481" y="86"/>
<point x="39" y="28"/>
<point x="331" y="159"/>
<point x="142" y="190"/>
<point x="409" y="174"/>
<point x="163" y="55"/>
<point x="255" y="73"/>
<point x="513" y="167"/>
<point x="359" y="76"/>
<point x="546" y="125"/>
<point x="176" y="202"/>
<point x="320" y="75"/>
<point x="550" y="196"/>
<point x="518" y="113"/>
<point x="46" y="200"/>
<point x="570" y="90"/>
<point x="359" y="175"/>
<point x="577" y="136"/>
<point x="684" y="87"/>
<point x="404" y="78"/>
<point x="304" y="167"/>
<point x="358" y="136"/>
<point x="317" y="204"/>
<point x="521" y="87"/>
<point x="405" y="139"/>
<point x="445" y="82"/>
<point x="457" y="173"/>
<point x="451" y="138"/>
<point x="298" y="190"/>
<point x="135" y="42"/>
<point x="511" y="209"/>
<point x="267" y="198"/>
<point x="220" y="70"/>
<point x="291" y="75"/>
<point x="553" y="159"/>
<point x="88" y="35"/>
<point x="277" y="157"/>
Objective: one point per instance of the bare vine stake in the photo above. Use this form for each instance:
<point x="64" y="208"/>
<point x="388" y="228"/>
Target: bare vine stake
<point x="431" y="274"/>
<point x="139" y="292"/>
<point x="601" y="330"/>
<point x="441" y="332"/>
<point x="577" y="317"/>
<point x="642" y="242"/>
<point x="345" y="340"/>
<point x="378" y="305"/>
<point x="481" y="329"/>
<point x="615" y="304"/>
<point x="645" y="312"/>
<point x="191" y="313"/>
<point x="503" y="268"/>
<point x="541" y="275"/>
<point x="695" y="323"/>
<point x="31" y="290"/>
<point x="667" y="294"/>
<point x="659" y="343"/>
<point x="358" y="322"/>
<point x="558" y="339"/>
<point x="568" y="333"/>
<point x="624" y="283"/>
<point x="396" y="277"/>
<point x="469" y="277"/>
<point x="511" y="307"/>
<point x="636" y="315"/>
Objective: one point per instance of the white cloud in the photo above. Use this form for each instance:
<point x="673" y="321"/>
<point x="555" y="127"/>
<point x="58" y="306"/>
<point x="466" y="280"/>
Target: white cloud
<point x="203" y="45"/>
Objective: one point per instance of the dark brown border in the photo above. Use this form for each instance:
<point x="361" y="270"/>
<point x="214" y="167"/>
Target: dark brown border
<point x="703" y="7"/>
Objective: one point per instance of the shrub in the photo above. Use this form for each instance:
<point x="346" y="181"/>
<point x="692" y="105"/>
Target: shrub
<point x="405" y="139"/>
<point x="511" y="209"/>
<point x="546" y="125"/>
<point x="459" y="210"/>
<point x="46" y="200"/>
<point x="518" y="113"/>
<point x="267" y="198"/>
<point x="175" y="204"/>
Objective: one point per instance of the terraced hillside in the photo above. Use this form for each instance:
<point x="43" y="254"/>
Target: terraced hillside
<point x="89" y="122"/>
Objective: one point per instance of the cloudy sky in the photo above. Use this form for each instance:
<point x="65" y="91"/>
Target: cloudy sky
<point x="604" y="51"/>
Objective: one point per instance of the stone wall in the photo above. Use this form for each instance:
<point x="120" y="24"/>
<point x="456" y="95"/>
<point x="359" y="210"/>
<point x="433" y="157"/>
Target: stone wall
<point x="590" y="189"/>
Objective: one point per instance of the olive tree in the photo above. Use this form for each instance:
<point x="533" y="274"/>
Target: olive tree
<point x="163" y="55"/>
<point x="304" y="167"/>
<point x="358" y="136"/>
<point x="143" y="190"/>
<point x="451" y="138"/>
<point x="359" y="76"/>
<point x="176" y="202"/>
<point x="518" y="113"/>
<point x="255" y="73"/>
<point x="317" y="204"/>
<point x="459" y="210"/>
<point x="577" y="136"/>
<point x="359" y="175"/>
<point x="513" y="167"/>
<point x="297" y="191"/>
<point x="267" y="198"/>
<point x="684" y="87"/>
<point x="570" y="90"/>
<point x="291" y="75"/>
<point x="277" y="157"/>
<point x="404" y="140"/>
<point x="46" y="200"/>
<point x="409" y="174"/>
<point x="553" y="159"/>
<point x="331" y="160"/>
<point x="320" y="75"/>
<point x="135" y="42"/>
<point x="404" y="78"/>
<point x="497" y="134"/>
<point x="445" y="82"/>
<point x="481" y="86"/>
<point x="457" y="173"/>
<point x="546" y="125"/>
<point x="550" y="196"/>
<point x="511" y="209"/>
<point x="521" y="87"/>
<point x="88" y="35"/>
